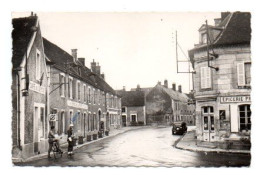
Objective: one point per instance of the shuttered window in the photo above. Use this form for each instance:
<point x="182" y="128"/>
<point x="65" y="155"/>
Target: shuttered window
<point x="241" y="74"/>
<point x="247" y="73"/>
<point x="205" y="77"/>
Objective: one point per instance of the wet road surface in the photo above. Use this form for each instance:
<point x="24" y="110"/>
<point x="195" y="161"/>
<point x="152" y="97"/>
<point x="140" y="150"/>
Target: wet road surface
<point x="142" y="147"/>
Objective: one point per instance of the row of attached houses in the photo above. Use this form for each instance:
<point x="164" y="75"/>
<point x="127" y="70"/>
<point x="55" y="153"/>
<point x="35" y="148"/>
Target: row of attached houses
<point x="52" y="87"/>
<point x="222" y="64"/>
<point x="156" y="105"/>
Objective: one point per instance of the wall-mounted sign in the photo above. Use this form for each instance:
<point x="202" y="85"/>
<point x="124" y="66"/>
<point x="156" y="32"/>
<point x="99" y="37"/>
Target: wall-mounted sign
<point x="36" y="87"/>
<point x="76" y="104"/>
<point x="235" y="99"/>
<point x="53" y="117"/>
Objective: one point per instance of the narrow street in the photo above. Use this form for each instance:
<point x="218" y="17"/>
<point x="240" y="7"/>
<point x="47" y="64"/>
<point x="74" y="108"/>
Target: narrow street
<point x="142" y="147"/>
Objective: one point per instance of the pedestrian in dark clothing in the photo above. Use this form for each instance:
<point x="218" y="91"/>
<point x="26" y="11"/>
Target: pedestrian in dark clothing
<point x="70" y="140"/>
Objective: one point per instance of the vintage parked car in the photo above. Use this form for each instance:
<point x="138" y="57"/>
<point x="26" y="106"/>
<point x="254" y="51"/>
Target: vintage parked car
<point x="179" y="128"/>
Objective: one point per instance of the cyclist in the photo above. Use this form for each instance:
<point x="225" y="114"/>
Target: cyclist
<point x="51" y="140"/>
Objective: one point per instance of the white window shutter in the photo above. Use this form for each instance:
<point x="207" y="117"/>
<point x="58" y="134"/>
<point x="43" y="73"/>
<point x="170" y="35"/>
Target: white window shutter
<point x="240" y="74"/>
<point x="208" y="77"/>
<point x="234" y="118"/>
<point x="202" y="77"/>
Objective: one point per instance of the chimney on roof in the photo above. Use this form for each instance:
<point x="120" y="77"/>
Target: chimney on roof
<point x="98" y="68"/>
<point x="159" y="83"/>
<point x="123" y="88"/>
<point x="224" y="15"/>
<point x="93" y="66"/>
<point x="31" y="13"/>
<point x="217" y="21"/>
<point x="103" y="76"/>
<point x="179" y="89"/>
<point x="174" y="86"/>
<point x="82" y="60"/>
<point x="138" y="87"/>
<point x="74" y="54"/>
<point x="166" y="83"/>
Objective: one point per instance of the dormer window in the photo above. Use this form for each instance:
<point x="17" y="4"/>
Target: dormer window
<point x="204" y="38"/>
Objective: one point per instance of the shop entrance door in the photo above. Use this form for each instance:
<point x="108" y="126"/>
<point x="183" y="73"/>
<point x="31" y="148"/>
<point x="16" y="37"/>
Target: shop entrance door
<point x="208" y="124"/>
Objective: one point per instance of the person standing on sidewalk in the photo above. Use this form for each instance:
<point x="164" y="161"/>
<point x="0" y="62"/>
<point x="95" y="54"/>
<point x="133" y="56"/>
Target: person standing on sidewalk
<point x="70" y="139"/>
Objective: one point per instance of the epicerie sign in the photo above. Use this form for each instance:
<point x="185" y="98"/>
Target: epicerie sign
<point x="77" y="105"/>
<point x="235" y="99"/>
<point x="36" y="87"/>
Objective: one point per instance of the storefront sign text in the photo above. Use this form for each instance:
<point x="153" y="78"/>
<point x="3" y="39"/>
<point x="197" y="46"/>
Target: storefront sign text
<point x="76" y="104"/>
<point x="235" y="99"/>
<point x="36" y="87"/>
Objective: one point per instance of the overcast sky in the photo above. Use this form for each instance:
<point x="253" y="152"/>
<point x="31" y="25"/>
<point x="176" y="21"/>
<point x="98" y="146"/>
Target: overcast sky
<point x="132" y="48"/>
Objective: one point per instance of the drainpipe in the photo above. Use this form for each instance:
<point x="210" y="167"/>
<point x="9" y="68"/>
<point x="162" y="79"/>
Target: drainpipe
<point x="18" y="107"/>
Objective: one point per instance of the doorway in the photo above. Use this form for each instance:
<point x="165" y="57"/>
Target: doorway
<point x="124" y="120"/>
<point x="208" y="123"/>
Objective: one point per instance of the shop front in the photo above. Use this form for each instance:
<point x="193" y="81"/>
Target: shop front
<point x="224" y="119"/>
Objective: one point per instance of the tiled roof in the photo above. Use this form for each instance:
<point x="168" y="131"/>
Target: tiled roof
<point x="58" y="56"/>
<point x="236" y="30"/>
<point x="132" y="98"/>
<point x="146" y="90"/>
<point x="175" y="95"/>
<point x="21" y="34"/>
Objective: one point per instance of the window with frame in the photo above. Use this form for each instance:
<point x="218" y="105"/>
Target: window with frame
<point x="243" y="74"/>
<point x="205" y="78"/>
<point x="245" y="117"/>
<point x="123" y="109"/>
<point x="62" y="85"/>
<point x="89" y="95"/>
<point x="204" y="38"/>
<point x="100" y="97"/>
<point x="85" y="92"/>
<point x="70" y="88"/>
<point x="38" y="65"/>
<point x="94" y="96"/>
<point x="79" y="91"/>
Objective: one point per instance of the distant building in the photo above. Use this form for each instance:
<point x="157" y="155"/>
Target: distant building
<point x="222" y="90"/>
<point x="165" y="105"/>
<point x="133" y="107"/>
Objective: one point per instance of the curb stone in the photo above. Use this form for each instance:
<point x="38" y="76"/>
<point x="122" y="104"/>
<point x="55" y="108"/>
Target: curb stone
<point x="189" y="148"/>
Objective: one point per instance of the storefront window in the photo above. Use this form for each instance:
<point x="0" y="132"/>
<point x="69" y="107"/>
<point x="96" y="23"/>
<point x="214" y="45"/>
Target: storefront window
<point x="206" y="123"/>
<point x="245" y="117"/>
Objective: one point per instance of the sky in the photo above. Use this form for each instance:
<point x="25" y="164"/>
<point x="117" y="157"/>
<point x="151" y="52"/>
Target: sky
<point x="131" y="47"/>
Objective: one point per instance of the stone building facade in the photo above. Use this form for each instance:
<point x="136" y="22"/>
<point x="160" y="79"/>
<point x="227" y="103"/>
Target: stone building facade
<point x="166" y="105"/>
<point x="80" y="95"/>
<point x="133" y="107"/>
<point x="222" y="90"/>
<point x="29" y="89"/>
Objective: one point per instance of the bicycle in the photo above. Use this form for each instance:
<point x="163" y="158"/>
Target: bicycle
<point x="56" y="151"/>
